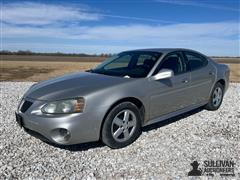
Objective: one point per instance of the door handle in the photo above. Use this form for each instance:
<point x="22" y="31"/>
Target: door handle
<point x="184" y="81"/>
<point x="211" y="73"/>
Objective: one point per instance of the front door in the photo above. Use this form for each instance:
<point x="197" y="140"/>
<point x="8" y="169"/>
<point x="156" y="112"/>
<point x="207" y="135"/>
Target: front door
<point x="169" y="95"/>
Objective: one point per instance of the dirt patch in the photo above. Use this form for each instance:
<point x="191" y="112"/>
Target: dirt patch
<point x="234" y="72"/>
<point x="38" y="71"/>
<point x="21" y="73"/>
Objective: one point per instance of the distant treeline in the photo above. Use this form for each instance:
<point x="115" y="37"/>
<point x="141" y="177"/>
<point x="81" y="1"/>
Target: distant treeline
<point x="27" y="52"/>
<point x="20" y="52"/>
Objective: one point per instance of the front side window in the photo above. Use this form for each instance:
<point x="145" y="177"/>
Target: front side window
<point x="195" y="61"/>
<point x="135" y="64"/>
<point x="174" y="62"/>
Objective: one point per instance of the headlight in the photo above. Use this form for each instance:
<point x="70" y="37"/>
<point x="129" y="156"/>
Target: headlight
<point x="64" y="106"/>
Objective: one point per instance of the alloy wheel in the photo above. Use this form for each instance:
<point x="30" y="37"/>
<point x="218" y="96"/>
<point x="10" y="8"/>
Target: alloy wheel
<point x="123" y="125"/>
<point x="217" y="96"/>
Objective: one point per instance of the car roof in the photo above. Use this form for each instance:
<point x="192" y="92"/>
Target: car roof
<point x="164" y="50"/>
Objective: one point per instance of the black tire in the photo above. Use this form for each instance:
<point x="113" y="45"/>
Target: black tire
<point x="107" y="135"/>
<point x="210" y="105"/>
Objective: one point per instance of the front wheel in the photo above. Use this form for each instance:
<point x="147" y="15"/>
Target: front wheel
<point x="216" y="98"/>
<point x="122" y="125"/>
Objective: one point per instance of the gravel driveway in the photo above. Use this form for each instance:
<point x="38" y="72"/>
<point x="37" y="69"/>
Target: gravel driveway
<point x="164" y="150"/>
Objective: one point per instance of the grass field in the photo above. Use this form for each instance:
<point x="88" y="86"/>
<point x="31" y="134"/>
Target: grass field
<point x="38" y="68"/>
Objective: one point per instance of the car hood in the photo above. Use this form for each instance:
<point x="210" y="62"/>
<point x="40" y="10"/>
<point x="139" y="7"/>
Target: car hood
<point x="72" y="85"/>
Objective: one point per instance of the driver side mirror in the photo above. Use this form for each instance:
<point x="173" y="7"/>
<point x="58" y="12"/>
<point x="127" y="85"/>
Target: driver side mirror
<point x="163" y="74"/>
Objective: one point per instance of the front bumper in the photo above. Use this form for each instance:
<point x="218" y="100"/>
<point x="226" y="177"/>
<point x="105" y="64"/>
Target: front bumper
<point x="65" y="129"/>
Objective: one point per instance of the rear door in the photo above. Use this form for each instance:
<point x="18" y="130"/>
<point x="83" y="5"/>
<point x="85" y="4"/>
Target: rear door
<point x="202" y="76"/>
<point x="168" y="95"/>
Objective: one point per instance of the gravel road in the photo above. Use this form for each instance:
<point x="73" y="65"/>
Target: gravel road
<point x="163" y="151"/>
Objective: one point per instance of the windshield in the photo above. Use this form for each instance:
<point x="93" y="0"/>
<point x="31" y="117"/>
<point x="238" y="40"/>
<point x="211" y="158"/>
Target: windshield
<point x="135" y="64"/>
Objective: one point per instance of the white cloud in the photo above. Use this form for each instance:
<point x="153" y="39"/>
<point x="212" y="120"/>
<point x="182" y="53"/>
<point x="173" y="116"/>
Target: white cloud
<point x="137" y="18"/>
<point x="158" y="32"/>
<point x="134" y="32"/>
<point x="28" y="13"/>
<point x="211" y="38"/>
<point x="31" y="13"/>
<point x="24" y="23"/>
<point x="197" y="4"/>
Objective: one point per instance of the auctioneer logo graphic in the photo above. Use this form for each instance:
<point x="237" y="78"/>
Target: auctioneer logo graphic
<point x="212" y="167"/>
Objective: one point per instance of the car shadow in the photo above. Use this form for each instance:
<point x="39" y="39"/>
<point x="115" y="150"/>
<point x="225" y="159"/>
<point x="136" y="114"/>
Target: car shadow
<point x="98" y="144"/>
<point x="79" y="147"/>
<point x="171" y="120"/>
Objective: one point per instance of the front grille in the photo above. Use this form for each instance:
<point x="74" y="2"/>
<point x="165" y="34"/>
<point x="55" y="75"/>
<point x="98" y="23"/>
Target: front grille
<point x="25" y="106"/>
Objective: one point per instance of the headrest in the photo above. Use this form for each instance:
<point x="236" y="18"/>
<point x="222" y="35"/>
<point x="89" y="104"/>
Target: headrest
<point x="148" y="62"/>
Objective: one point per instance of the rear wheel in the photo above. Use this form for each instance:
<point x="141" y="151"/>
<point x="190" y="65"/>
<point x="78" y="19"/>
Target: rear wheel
<point x="122" y="125"/>
<point x="216" y="98"/>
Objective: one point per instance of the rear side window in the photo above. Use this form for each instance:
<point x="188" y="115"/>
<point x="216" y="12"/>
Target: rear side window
<point x="195" y="61"/>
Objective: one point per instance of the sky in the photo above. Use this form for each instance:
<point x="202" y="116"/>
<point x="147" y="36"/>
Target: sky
<point x="104" y="26"/>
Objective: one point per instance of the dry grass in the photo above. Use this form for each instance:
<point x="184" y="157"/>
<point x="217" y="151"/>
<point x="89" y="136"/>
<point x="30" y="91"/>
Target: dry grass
<point x="38" y="68"/>
<point x="38" y="71"/>
<point x="234" y="72"/>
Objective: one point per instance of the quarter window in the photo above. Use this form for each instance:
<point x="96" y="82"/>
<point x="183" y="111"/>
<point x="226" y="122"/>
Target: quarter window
<point x="195" y="61"/>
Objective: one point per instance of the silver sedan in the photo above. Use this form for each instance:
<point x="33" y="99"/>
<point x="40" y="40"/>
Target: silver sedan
<point x="115" y="100"/>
